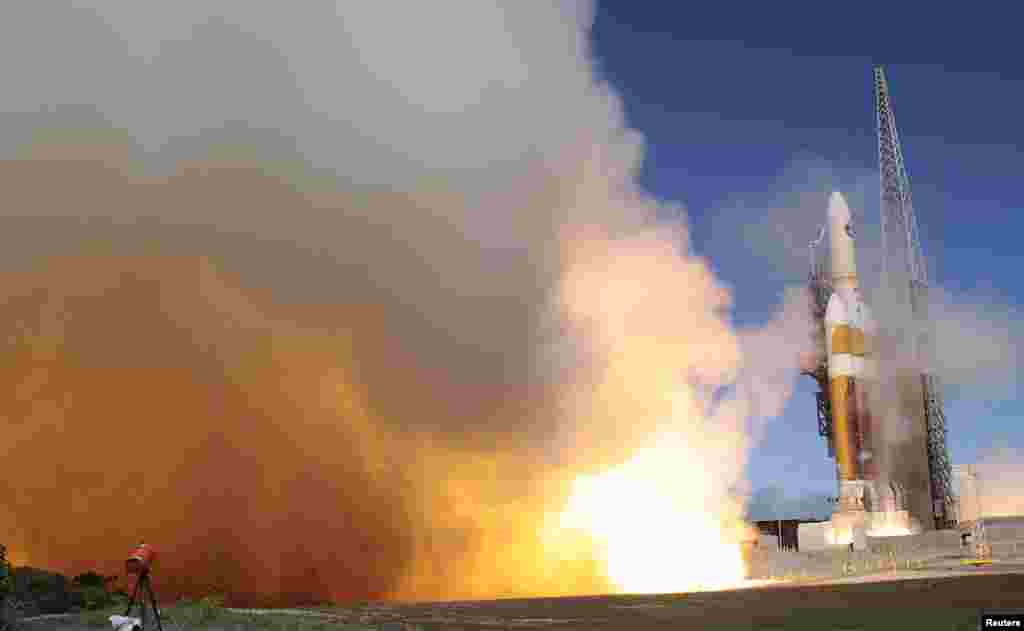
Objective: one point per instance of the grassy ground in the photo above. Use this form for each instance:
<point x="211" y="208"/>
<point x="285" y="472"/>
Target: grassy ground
<point x="210" y="614"/>
<point x="946" y="603"/>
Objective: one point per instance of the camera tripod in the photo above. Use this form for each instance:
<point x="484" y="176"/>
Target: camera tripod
<point x="143" y="588"/>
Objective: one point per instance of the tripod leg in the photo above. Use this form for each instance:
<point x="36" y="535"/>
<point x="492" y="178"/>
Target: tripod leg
<point x="142" y="600"/>
<point x="156" y="609"/>
<point x="135" y="593"/>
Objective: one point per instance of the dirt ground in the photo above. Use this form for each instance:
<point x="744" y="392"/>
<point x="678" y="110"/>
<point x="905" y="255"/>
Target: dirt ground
<point x="935" y="602"/>
<point x="950" y="602"/>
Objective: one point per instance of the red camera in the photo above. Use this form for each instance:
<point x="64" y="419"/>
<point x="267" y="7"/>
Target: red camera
<point x="140" y="559"/>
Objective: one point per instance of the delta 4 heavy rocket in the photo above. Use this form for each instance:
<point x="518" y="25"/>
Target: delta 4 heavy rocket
<point x="870" y="502"/>
<point x="848" y="326"/>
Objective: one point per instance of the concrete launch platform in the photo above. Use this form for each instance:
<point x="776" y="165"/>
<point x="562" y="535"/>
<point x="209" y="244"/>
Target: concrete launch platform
<point x="855" y="527"/>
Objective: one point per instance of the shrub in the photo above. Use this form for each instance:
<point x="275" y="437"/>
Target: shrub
<point x="90" y="579"/>
<point x="6" y="582"/>
<point x="91" y="597"/>
<point x="89" y="591"/>
<point x="38" y="584"/>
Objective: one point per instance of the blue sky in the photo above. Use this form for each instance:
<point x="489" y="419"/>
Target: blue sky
<point x="744" y="105"/>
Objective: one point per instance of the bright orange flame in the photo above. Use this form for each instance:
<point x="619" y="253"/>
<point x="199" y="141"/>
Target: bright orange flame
<point x="649" y="517"/>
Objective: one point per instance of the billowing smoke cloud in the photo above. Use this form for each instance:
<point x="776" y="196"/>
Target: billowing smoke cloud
<point x="334" y="300"/>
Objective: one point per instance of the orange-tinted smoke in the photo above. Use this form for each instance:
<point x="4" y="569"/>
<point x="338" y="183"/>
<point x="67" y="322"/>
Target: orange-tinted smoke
<point x="284" y="427"/>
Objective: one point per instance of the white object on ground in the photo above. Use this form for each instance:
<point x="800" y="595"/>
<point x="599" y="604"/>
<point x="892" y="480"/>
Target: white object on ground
<point x="126" y="623"/>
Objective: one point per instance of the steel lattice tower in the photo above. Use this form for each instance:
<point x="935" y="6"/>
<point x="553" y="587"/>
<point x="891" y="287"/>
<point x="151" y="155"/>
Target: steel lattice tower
<point x="905" y="269"/>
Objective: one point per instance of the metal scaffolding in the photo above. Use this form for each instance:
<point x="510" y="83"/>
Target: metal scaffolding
<point x="817" y="368"/>
<point x="904" y="267"/>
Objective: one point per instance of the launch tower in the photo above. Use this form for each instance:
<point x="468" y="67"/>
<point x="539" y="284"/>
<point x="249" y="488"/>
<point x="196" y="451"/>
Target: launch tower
<point x="906" y="274"/>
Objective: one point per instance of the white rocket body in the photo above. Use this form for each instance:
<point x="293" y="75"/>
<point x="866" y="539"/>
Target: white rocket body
<point x="847" y="322"/>
<point x="846" y="305"/>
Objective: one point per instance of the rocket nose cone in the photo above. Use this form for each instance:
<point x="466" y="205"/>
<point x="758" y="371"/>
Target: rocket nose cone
<point x="838" y="210"/>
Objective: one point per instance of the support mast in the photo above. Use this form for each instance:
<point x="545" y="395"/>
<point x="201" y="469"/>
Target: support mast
<point x="905" y="270"/>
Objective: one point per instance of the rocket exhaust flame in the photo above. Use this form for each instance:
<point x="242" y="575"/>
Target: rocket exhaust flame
<point x="645" y="524"/>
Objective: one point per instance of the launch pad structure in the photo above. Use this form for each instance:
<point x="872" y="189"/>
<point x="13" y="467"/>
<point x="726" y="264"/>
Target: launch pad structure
<point x="900" y="236"/>
<point x="914" y="480"/>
